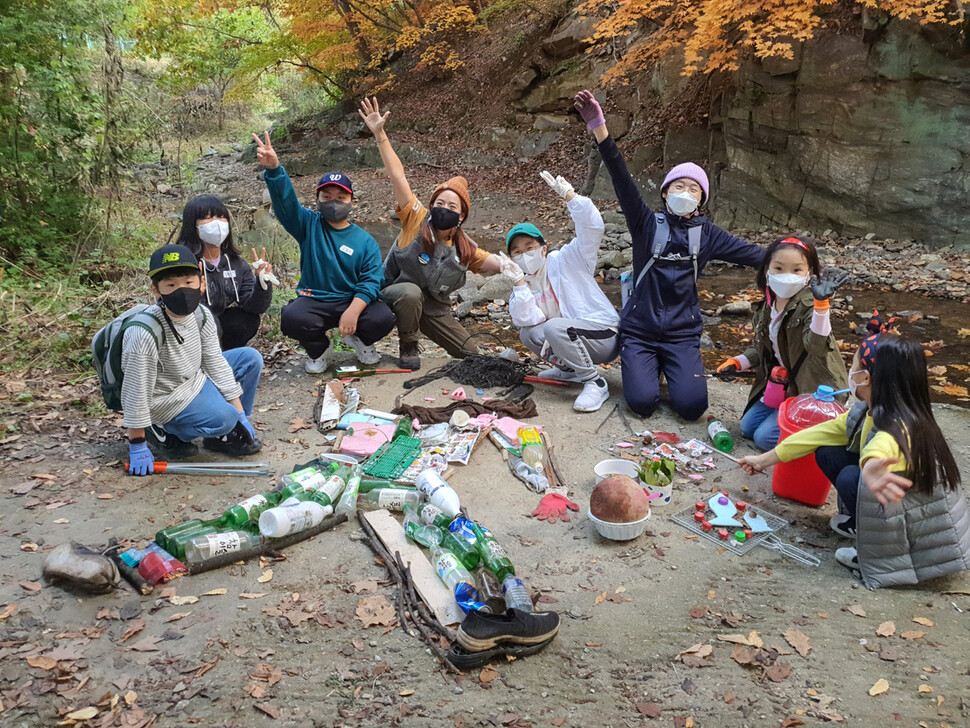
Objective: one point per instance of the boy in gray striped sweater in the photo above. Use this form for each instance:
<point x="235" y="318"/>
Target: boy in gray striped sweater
<point x="180" y="385"/>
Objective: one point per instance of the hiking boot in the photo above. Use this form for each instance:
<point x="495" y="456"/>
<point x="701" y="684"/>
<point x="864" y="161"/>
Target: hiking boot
<point x="559" y="374"/>
<point x="366" y="353"/>
<point x="158" y="439"/>
<point x="237" y="441"/>
<point x="594" y="394"/>
<point x="316" y="366"/>
<point x="848" y="557"/>
<point x="480" y="632"/>
<point x="843" y="525"/>
<point x="465" y="660"/>
<point x="410" y="355"/>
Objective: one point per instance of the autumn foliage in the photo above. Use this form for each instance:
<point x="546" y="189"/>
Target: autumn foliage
<point x="716" y="35"/>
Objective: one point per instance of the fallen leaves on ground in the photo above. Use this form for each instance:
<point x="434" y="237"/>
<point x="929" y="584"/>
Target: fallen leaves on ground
<point x="265" y="577"/>
<point x="914" y="635"/>
<point x="271" y="710"/>
<point x="487" y="674"/>
<point x="778" y="672"/>
<point x="923" y="621"/>
<point x="134" y="628"/>
<point x="44" y="663"/>
<point x="696" y="655"/>
<point x="752" y="640"/>
<point x="881" y="686"/>
<point x="83" y="714"/>
<point x="651" y="710"/>
<point x="178" y="601"/>
<point x="297" y="424"/>
<point x="886" y="629"/>
<point x="798" y="640"/>
<point x="367" y="586"/>
<point x="375" y="610"/>
<point x="215" y="592"/>
<point x="855" y="609"/>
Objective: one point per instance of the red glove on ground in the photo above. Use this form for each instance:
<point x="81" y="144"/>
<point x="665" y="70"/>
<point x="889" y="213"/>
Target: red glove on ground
<point x="554" y="507"/>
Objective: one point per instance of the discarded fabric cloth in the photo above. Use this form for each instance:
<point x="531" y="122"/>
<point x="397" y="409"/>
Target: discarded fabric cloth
<point x="431" y="415"/>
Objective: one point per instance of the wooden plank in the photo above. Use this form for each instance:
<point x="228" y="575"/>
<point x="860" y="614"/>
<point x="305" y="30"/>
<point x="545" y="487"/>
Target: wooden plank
<point x="431" y="589"/>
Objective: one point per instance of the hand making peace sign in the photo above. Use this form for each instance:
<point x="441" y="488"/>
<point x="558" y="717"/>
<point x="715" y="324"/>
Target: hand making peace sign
<point x="265" y="154"/>
<point x="260" y="263"/>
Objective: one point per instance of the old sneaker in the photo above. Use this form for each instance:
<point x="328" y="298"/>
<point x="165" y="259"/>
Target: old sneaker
<point x="594" y="394"/>
<point x="465" y="660"/>
<point x="410" y="355"/>
<point x="158" y="439"/>
<point x="237" y="441"/>
<point x="848" y="557"/>
<point x="480" y="631"/>
<point x="316" y="366"/>
<point x="366" y="353"/>
<point x="843" y="524"/>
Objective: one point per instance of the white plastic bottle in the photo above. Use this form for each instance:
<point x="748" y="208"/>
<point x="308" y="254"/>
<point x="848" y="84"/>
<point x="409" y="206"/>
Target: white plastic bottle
<point x="292" y="518"/>
<point x="516" y="595"/>
<point x="440" y="494"/>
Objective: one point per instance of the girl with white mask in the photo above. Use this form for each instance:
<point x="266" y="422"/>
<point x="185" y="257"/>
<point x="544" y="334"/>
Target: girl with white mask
<point x="792" y="331"/>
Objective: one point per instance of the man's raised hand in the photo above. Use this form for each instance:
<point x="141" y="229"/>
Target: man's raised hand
<point x="370" y="112"/>
<point x="265" y="154"/>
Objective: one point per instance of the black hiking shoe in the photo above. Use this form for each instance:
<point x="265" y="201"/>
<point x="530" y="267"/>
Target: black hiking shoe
<point x="158" y="439"/>
<point x="410" y="355"/>
<point x="237" y="441"/>
<point x="465" y="660"/>
<point x="480" y="632"/>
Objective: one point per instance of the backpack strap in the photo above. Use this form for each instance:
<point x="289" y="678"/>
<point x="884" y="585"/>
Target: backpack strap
<point x="661" y="234"/>
<point x="694" y="245"/>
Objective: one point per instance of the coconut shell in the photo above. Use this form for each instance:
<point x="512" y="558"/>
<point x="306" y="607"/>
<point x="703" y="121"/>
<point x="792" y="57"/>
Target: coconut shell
<point x="619" y="499"/>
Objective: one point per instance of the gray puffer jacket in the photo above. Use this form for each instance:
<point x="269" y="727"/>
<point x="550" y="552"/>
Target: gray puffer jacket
<point x="924" y="536"/>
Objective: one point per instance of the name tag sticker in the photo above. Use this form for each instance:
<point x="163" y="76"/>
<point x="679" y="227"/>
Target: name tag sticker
<point x="228" y="274"/>
<point x="346" y="249"/>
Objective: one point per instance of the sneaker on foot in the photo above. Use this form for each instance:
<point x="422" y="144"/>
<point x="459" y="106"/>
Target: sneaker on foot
<point x="594" y="394"/>
<point x="410" y="355"/>
<point x="237" y="442"/>
<point x="843" y="525"/>
<point x="158" y="439"/>
<point x="848" y="557"/>
<point x="316" y="366"/>
<point x="480" y="631"/>
<point x="366" y="353"/>
<point x="563" y="375"/>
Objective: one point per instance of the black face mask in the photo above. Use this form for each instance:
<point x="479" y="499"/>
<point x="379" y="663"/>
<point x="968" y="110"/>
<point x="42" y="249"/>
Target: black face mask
<point x="444" y="219"/>
<point x="182" y="301"/>
<point x="334" y="211"/>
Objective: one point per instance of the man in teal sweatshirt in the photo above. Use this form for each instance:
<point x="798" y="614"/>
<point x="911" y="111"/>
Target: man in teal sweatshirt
<point x="341" y="271"/>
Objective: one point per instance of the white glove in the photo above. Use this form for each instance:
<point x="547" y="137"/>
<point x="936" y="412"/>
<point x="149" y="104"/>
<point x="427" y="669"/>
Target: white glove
<point x="559" y="184"/>
<point x="510" y="269"/>
<point x="265" y="277"/>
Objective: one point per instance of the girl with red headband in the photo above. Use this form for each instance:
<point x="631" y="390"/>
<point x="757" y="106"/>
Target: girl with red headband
<point x="792" y="331"/>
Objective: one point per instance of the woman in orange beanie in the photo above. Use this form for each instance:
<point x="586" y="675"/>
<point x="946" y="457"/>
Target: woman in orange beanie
<point x="431" y="257"/>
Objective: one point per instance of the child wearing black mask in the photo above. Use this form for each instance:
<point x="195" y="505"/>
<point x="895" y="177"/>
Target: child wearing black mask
<point x="178" y="384"/>
<point x="340" y="267"/>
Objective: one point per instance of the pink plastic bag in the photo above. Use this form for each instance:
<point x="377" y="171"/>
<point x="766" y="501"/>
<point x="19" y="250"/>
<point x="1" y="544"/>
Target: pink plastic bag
<point x="509" y="428"/>
<point x="364" y="440"/>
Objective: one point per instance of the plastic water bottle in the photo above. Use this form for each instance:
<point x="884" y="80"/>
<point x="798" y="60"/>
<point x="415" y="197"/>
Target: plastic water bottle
<point x="531" y="449"/>
<point x="292" y="518"/>
<point x="492" y="553"/>
<point x="516" y="595"/>
<point x="418" y="531"/>
<point x="456" y="577"/>
<point x="719" y="435"/>
<point x="348" y="499"/>
<point x="393" y="499"/>
<point x="213" y="545"/>
<point x="434" y="516"/>
<point x="440" y="494"/>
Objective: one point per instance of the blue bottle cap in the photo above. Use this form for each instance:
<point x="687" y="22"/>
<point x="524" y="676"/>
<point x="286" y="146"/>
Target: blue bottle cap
<point x="825" y="393"/>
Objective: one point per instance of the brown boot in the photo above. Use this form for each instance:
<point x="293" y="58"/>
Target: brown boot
<point x="410" y="356"/>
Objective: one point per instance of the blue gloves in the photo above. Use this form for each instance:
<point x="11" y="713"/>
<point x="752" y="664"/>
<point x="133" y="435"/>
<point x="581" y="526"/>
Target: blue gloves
<point x="140" y="459"/>
<point x="247" y="424"/>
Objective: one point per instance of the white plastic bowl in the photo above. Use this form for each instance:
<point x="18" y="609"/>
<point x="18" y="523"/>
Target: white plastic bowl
<point x="619" y="531"/>
<point x="606" y="468"/>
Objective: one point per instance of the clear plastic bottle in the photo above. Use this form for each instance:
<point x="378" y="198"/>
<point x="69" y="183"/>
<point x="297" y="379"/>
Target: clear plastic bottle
<point x="719" y="435"/>
<point x="440" y="494"/>
<point x="532" y="451"/>
<point x="213" y="545"/>
<point x="292" y="518"/>
<point x="393" y="499"/>
<point x="516" y="595"/>
<point x="348" y="499"/>
<point x="418" y="531"/>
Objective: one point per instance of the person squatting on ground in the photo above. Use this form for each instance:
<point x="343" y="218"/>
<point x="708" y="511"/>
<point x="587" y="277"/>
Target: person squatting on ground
<point x="231" y="292"/>
<point x="431" y="256"/>
<point x="792" y="330"/>
<point x="562" y="314"/>
<point x="340" y="267"/>
<point x="910" y="521"/>
<point x="180" y="385"/>
<point x="660" y="324"/>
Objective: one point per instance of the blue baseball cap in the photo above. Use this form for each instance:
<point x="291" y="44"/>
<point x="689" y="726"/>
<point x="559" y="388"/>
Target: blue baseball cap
<point x="336" y="178"/>
<point x="523" y="228"/>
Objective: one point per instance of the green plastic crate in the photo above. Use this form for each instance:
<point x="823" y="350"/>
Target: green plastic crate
<point x="392" y="458"/>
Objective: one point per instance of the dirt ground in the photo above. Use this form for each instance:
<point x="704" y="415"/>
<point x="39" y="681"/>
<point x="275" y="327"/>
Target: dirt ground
<point x="298" y="652"/>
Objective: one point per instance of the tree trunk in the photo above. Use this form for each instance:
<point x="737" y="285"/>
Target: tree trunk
<point x="360" y="42"/>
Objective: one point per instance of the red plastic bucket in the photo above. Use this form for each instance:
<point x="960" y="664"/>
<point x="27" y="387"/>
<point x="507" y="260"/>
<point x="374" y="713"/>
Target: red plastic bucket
<point x="801" y="479"/>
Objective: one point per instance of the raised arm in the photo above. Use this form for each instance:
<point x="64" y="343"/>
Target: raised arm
<point x="291" y="214"/>
<point x="370" y="112"/>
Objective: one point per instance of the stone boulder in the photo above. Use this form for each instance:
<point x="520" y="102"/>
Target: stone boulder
<point x="570" y="37"/>
<point x="496" y="287"/>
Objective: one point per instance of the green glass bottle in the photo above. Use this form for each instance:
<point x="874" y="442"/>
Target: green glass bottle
<point x="492" y="553"/>
<point x="329" y="491"/>
<point x="247" y="510"/>
<point x="465" y="552"/>
<point x="434" y="516"/>
<point x="369" y="484"/>
<point x="304" y="480"/>
<point x="405" y="428"/>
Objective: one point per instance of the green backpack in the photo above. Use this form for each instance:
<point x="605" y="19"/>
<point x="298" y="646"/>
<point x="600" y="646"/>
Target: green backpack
<point x="106" y="348"/>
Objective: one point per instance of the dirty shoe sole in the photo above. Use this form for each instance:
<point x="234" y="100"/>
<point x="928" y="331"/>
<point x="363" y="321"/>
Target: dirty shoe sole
<point x="495" y="630"/>
<point x="465" y="660"/>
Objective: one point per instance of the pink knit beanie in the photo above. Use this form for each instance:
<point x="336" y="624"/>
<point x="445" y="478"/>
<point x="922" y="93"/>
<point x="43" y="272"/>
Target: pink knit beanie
<point x="690" y="171"/>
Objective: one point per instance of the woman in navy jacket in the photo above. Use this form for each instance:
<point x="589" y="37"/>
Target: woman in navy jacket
<point x="660" y="324"/>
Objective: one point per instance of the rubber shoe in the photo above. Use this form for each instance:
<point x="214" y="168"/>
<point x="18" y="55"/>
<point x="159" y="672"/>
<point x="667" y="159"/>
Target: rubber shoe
<point x="158" y="439"/>
<point x="465" y="660"/>
<point x="848" y="557"/>
<point x="561" y="375"/>
<point x="316" y="366"/>
<point x="843" y="525"/>
<point x="594" y="394"/>
<point x="366" y="354"/>
<point x="410" y="355"/>
<point x="237" y="442"/>
<point x="480" y="632"/>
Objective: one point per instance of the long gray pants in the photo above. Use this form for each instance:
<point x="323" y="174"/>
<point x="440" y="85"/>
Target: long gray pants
<point x="576" y="345"/>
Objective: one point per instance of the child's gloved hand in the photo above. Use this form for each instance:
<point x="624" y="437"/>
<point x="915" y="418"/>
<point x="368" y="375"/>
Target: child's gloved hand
<point x="554" y="507"/>
<point x="263" y="270"/>
<point x="510" y="269"/>
<point x="729" y="368"/>
<point x="589" y="108"/>
<point x="140" y="459"/>
<point x="560" y="185"/>
<point x="824" y="287"/>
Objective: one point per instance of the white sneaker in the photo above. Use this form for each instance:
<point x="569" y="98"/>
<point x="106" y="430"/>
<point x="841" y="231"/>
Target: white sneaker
<point x="365" y="354"/>
<point x="843" y="525"/>
<point x="848" y="557"/>
<point x="594" y="394"/>
<point x="316" y="366"/>
<point x="562" y="375"/>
